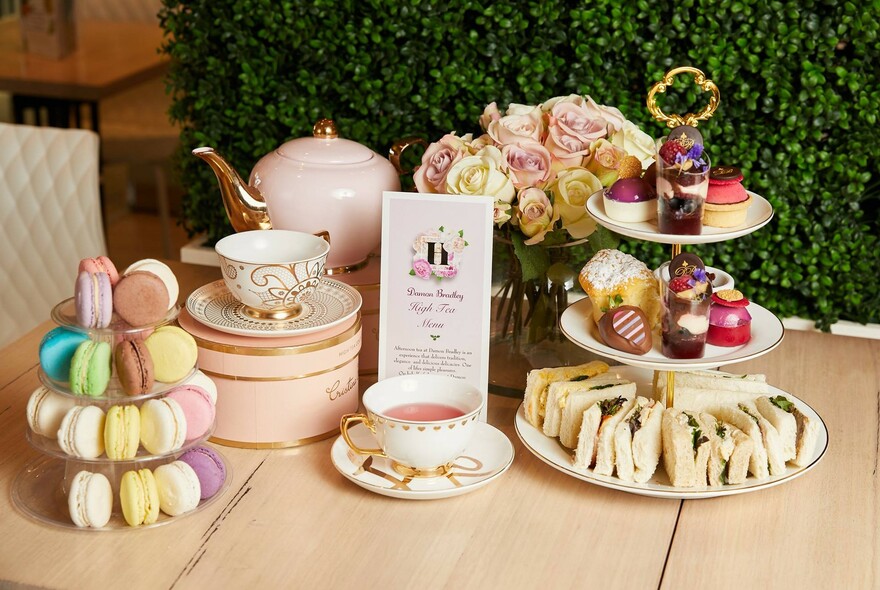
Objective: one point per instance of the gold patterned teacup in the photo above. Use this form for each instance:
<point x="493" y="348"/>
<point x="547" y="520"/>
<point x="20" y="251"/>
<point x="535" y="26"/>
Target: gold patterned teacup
<point x="272" y="271"/>
<point x="422" y="423"/>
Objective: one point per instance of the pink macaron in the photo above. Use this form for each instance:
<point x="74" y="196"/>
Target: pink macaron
<point x="100" y="264"/>
<point x="93" y="297"/>
<point x="197" y="407"/>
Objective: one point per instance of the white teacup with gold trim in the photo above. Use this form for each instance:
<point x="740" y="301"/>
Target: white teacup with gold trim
<point x="272" y="271"/>
<point x="421" y="422"/>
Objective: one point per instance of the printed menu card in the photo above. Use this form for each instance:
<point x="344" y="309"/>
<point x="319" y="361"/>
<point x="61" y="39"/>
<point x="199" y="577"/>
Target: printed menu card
<point x="434" y="303"/>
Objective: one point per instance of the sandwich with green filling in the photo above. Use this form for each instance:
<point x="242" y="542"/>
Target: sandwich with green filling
<point x="637" y="441"/>
<point x="579" y="394"/>
<point x="767" y="456"/>
<point x="573" y="413"/>
<point x="799" y="432"/>
<point x="730" y="450"/>
<point x="595" y="438"/>
<point x="538" y="380"/>
<point x="686" y="448"/>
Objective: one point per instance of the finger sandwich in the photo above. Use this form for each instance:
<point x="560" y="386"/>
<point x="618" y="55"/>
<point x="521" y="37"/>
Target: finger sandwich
<point x="797" y="431"/>
<point x="637" y="441"/>
<point x="538" y="380"/>
<point x="595" y="439"/>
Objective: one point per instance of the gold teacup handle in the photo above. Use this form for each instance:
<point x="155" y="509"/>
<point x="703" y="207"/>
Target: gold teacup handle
<point x="691" y="119"/>
<point x="399" y="147"/>
<point x="324" y="235"/>
<point x="350" y="419"/>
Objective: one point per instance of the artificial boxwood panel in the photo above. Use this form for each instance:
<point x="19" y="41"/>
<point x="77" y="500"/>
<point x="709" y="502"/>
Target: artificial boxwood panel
<point x="798" y="113"/>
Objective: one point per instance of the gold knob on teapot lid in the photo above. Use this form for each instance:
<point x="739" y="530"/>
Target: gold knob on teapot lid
<point x="325" y="129"/>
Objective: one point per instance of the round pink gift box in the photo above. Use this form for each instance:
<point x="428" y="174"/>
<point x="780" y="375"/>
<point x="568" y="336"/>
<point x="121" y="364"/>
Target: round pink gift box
<point x="279" y="392"/>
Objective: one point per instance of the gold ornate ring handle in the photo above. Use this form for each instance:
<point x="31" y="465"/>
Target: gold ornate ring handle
<point x="399" y="147"/>
<point x="346" y="422"/>
<point x="324" y="235"/>
<point x="691" y="119"/>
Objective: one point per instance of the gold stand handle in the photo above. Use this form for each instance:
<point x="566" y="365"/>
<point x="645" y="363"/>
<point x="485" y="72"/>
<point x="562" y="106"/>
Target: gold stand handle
<point x="346" y="422"/>
<point x="399" y="147"/>
<point x="691" y="119"/>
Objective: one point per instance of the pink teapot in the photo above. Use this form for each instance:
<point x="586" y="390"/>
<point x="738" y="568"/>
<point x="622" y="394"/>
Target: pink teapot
<point x="313" y="184"/>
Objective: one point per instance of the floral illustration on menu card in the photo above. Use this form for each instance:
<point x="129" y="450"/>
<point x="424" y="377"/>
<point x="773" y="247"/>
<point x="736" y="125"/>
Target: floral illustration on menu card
<point x="438" y="253"/>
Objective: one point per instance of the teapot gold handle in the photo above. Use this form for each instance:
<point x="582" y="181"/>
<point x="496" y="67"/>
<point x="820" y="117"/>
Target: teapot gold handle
<point x="399" y="147"/>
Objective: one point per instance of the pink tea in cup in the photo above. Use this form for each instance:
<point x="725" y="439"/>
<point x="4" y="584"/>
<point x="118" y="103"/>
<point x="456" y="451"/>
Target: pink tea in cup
<point x="423" y="412"/>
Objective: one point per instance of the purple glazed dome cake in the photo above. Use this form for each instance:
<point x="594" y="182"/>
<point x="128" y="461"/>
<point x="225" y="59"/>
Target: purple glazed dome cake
<point x="630" y="200"/>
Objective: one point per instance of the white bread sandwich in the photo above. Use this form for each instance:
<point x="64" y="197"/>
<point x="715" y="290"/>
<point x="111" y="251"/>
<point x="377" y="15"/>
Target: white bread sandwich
<point x="577" y="404"/>
<point x="767" y="455"/>
<point x="806" y="429"/>
<point x="685" y="448"/>
<point x="637" y="442"/>
<point x="701" y="391"/>
<point x="729" y="452"/>
<point x="538" y="380"/>
<point x="570" y="399"/>
<point x="784" y="423"/>
<point x="597" y="431"/>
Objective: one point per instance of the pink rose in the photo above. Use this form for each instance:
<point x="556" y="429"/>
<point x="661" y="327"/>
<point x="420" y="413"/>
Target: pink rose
<point x="422" y="268"/>
<point x="548" y="105"/>
<point x="490" y="113"/>
<point x="449" y="272"/>
<point x="612" y="116"/>
<point x="501" y="215"/>
<point x="525" y="125"/>
<point x="440" y="156"/>
<point x="528" y="164"/>
<point x="572" y="129"/>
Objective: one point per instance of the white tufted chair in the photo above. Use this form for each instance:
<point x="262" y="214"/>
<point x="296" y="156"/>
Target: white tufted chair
<point x="50" y="215"/>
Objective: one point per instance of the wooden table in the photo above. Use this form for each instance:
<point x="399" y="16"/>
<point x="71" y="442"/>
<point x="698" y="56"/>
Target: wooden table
<point x="110" y="56"/>
<point x="290" y="520"/>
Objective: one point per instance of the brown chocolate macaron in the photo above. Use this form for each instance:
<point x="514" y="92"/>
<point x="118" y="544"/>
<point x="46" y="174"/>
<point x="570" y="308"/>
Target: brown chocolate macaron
<point x="134" y="367"/>
<point x="140" y="298"/>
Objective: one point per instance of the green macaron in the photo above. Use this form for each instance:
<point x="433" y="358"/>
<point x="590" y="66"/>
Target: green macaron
<point x="90" y="368"/>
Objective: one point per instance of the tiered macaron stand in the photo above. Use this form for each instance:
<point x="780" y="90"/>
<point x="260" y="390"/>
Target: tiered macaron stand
<point x="577" y="325"/>
<point x="41" y="488"/>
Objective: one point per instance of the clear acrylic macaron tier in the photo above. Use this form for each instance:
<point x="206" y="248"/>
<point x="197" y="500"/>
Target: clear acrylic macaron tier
<point x="111" y="400"/>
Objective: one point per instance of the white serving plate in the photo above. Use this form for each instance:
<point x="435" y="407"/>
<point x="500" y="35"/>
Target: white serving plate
<point x="550" y="451"/>
<point x="759" y="214"/>
<point x="767" y="332"/>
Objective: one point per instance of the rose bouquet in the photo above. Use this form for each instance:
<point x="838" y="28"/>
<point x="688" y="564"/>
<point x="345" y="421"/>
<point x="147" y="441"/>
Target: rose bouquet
<point x="540" y="163"/>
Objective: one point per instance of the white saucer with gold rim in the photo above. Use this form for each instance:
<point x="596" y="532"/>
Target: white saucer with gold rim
<point x="215" y="306"/>
<point x="487" y="457"/>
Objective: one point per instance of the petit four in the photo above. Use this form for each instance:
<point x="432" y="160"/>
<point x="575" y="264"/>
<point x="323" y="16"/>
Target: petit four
<point x="90" y="368"/>
<point x="208" y="467"/>
<point x="630" y="200"/>
<point x="122" y="432"/>
<point x="174" y="353"/>
<point x="139" y="497"/>
<point x="626" y="328"/>
<point x="686" y="304"/>
<point x="612" y="278"/>
<point x="197" y="407"/>
<point x="81" y="433"/>
<point x="730" y="323"/>
<point x="134" y="367"/>
<point x="682" y="181"/>
<point x="46" y="410"/>
<point x="163" y="426"/>
<point x="727" y="202"/>
<point x="90" y="499"/>
<point x="179" y="488"/>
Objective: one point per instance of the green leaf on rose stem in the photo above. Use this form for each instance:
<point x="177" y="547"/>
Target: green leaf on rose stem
<point x="601" y="239"/>
<point x="441" y="228"/>
<point x="461" y="233"/>
<point x="412" y="273"/>
<point x="534" y="260"/>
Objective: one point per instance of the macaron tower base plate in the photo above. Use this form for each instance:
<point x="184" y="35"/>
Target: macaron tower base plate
<point x="40" y="492"/>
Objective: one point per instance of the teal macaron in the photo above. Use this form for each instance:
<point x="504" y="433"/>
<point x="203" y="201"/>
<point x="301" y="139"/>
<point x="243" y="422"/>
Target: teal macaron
<point x="90" y="368"/>
<point x="56" y="351"/>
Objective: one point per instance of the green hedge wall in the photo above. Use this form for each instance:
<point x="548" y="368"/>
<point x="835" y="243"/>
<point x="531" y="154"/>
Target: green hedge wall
<point x="799" y="99"/>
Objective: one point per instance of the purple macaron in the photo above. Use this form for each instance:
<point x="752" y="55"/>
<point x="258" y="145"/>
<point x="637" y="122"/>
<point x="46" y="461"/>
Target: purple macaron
<point x="209" y="468"/>
<point x="93" y="297"/>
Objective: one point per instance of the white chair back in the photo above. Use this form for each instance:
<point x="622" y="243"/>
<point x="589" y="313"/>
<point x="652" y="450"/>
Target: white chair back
<point x="50" y="218"/>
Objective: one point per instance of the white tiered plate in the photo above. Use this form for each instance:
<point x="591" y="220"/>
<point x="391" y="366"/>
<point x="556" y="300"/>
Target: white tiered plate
<point x="767" y="332"/>
<point x="332" y="303"/>
<point x="487" y="457"/>
<point x="759" y="214"/>
<point x="554" y="454"/>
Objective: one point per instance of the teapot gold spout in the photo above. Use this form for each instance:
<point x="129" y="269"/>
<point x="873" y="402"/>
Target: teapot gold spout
<point x="244" y="204"/>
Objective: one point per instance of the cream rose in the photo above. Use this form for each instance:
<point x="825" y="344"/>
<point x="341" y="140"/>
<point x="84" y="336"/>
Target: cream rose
<point x="573" y="98"/>
<point x="605" y="161"/>
<point x="526" y="124"/>
<point x="635" y="142"/>
<point x="528" y="164"/>
<point x="430" y="177"/>
<point x="481" y="174"/>
<point x="490" y="113"/>
<point x="501" y="214"/>
<point x="534" y="214"/>
<point x="570" y="191"/>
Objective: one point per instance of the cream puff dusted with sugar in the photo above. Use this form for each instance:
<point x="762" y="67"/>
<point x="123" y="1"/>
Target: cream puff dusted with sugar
<point x="612" y="278"/>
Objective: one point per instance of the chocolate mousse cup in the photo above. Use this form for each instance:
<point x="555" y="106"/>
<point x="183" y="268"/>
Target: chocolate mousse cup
<point x="684" y="326"/>
<point x="680" y="197"/>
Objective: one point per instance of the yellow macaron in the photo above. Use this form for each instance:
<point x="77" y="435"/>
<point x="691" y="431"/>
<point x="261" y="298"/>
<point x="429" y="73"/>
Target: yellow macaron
<point x="139" y="497"/>
<point x="174" y="353"/>
<point x="122" y="432"/>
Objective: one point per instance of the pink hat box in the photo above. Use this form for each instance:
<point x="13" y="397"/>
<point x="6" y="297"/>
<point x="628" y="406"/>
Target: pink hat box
<point x="279" y="392"/>
<point x="365" y="279"/>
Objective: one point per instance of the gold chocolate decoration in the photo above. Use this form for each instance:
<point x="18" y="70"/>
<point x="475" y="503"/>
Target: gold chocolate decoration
<point x="691" y="119"/>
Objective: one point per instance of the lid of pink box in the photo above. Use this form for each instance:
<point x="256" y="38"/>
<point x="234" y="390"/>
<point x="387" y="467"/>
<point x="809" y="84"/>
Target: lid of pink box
<point x="203" y="332"/>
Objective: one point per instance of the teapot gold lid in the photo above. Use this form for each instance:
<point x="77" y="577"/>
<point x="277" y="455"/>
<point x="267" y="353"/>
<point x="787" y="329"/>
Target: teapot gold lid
<point x="325" y="147"/>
